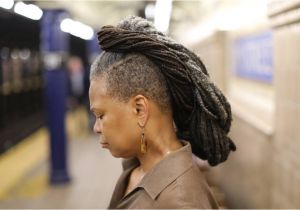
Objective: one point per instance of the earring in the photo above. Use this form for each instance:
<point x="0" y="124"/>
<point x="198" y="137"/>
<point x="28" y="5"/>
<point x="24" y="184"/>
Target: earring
<point x="143" y="142"/>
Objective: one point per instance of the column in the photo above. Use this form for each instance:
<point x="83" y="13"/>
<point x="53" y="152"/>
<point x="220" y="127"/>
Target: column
<point x="54" y="46"/>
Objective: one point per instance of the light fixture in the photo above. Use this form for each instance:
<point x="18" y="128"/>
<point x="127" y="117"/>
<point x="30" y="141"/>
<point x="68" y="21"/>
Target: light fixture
<point x="150" y="11"/>
<point x="28" y="10"/>
<point x="163" y="10"/>
<point x="6" y="4"/>
<point x="77" y="29"/>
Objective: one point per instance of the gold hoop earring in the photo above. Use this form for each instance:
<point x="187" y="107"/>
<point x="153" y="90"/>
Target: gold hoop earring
<point x="143" y="142"/>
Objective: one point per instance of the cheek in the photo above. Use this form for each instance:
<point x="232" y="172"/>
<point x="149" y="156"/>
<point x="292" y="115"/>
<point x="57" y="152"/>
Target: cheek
<point x="125" y="131"/>
<point x="122" y="132"/>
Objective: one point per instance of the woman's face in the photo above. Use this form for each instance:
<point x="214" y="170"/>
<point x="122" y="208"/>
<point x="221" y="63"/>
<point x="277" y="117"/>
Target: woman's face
<point x="116" y="121"/>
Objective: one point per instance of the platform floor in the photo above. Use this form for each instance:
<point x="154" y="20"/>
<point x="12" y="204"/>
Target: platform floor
<point x="94" y="173"/>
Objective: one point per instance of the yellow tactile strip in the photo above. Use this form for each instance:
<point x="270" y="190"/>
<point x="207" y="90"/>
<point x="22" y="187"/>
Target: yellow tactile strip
<point x="20" y="159"/>
<point x="34" y="186"/>
<point x="17" y="162"/>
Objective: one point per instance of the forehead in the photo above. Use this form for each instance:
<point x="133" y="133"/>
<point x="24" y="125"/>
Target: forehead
<point x="98" y="86"/>
<point x="98" y="93"/>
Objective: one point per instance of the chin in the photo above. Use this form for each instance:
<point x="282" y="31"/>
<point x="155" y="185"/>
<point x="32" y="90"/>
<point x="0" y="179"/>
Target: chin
<point x="116" y="154"/>
<point x="120" y="155"/>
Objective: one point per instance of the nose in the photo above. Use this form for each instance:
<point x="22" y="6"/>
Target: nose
<point x="97" y="127"/>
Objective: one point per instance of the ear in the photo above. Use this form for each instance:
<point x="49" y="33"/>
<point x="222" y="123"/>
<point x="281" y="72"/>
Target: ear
<point x="141" y="109"/>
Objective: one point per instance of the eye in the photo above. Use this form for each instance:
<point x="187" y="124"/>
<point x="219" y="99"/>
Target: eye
<point x="100" y="116"/>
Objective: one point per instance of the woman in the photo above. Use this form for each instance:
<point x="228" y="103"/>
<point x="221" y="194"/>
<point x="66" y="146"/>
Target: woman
<point x="154" y="105"/>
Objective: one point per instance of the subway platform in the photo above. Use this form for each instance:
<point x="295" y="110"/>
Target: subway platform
<point x="25" y="177"/>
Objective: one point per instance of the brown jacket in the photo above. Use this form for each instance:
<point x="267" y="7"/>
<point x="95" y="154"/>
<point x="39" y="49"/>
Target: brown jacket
<point x="174" y="183"/>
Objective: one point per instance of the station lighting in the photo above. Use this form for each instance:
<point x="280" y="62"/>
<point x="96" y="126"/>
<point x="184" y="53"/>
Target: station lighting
<point x="150" y="11"/>
<point x="163" y="10"/>
<point x="77" y="29"/>
<point x="6" y="4"/>
<point x="28" y="10"/>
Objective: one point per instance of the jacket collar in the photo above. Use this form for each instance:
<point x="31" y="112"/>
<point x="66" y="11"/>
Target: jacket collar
<point x="164" y="172"/>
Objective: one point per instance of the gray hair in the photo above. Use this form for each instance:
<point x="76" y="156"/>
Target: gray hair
<point x="127" y="75"/>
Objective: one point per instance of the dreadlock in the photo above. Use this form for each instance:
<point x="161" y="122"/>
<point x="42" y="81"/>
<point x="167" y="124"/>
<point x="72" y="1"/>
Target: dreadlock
<point x="201" y="112"/>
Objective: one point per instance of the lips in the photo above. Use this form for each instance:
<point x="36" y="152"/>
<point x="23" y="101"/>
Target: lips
<point x="104" y="144"/>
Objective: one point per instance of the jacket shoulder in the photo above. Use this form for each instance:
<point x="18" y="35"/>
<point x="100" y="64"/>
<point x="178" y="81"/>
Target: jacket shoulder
<point x="190" y="190"/>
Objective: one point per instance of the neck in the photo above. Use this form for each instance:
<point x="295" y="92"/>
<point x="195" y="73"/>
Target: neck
<point x="159" y="147"/>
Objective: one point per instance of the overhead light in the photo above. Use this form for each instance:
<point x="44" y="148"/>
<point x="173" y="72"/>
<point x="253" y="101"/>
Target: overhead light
<point x="28" y="10"/>
<point x="77" y="29"/>
<point x="150" y="11"/>
<point x="6" y="4"/>
<point x="163" y="10"/>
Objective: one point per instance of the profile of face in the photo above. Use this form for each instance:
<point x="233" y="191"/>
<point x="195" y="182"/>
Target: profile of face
<point x="117" y="122"/>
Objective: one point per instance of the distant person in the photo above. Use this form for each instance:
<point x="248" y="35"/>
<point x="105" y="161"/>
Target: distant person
<point x="77" y="91"/>
<point x="141" y="83"/>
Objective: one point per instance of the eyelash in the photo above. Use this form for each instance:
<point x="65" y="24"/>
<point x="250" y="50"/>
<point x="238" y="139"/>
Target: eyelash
<point x="100" y="117"/>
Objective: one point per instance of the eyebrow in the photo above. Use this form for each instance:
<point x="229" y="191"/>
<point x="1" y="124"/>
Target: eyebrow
<point x="93" y="109"/>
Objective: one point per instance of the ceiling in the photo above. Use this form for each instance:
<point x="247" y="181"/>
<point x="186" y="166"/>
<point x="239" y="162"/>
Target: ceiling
<point x="96" y="13"/>
<point x="186" y="14"/>
<point x="103" y="12"/>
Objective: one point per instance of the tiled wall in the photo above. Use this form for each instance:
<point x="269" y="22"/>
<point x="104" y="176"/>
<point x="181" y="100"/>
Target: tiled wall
<point x="264" y="172"/>
<point x="246" y="177"/>
<point x="286" y="165"/>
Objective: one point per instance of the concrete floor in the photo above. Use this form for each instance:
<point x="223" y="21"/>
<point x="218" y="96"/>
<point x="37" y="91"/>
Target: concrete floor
<point x="94" y="173"/>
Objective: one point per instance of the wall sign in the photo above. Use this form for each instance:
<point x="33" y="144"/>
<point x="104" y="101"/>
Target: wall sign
<point x="253" y="57"/>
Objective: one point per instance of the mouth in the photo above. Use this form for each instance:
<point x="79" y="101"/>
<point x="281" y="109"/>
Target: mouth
<point x="104" y="144"/>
